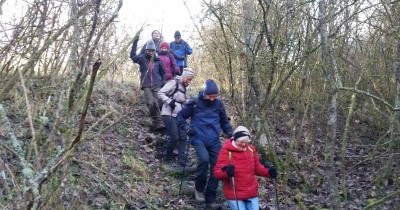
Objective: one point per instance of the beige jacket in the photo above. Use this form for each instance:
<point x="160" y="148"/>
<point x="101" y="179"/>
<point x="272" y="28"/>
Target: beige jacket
<point x="165" y="96"/>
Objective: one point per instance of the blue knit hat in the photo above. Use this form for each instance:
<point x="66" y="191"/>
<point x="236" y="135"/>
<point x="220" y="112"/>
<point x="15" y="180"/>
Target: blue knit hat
<point x="210" y="87"/>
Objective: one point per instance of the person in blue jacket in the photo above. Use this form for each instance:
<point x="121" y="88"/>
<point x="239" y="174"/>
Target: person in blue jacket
<point x="207" y="119"/>
<point x="152" y="78"/>
<point x="180" y="49"/>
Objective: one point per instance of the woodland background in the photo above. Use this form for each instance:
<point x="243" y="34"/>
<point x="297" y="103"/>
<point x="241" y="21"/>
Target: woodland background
<point x="318" y="82"/>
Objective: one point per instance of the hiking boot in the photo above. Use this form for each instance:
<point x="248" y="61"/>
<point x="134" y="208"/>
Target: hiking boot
<point x="199" y="196"/>
<point x="212" y="206"/>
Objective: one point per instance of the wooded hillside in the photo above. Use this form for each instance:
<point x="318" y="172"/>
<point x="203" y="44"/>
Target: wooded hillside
<point x="318" y="83"/>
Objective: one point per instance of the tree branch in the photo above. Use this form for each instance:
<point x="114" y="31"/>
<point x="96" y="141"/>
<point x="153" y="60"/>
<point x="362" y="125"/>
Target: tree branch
<point x="371" y="96"/>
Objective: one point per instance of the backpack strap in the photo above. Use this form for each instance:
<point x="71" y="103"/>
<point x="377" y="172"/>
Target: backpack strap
<point x="230" y="153"/>
<point x="251" y="150"/>
<point x="176" y="89"/>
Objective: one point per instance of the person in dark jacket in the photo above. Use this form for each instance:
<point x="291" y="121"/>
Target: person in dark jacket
<point x="208" y="118"/>
<point x="180" y="49"/>
<point x="237" y="166"/>
<point x="152" y="77"/>
<point x="170" y="67"/>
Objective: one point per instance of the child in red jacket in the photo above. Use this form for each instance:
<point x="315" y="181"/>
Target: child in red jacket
<point x="237" y="166"/>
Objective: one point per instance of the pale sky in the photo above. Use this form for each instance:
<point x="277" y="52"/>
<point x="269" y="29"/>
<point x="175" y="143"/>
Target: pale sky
<point x="166" y="16"/>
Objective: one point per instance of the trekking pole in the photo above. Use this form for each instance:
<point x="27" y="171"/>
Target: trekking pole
<point x="234" y="191"/>
<point x="276" y="193"/>
<point x="269" y="165"/>
<point x="184" y="166"/>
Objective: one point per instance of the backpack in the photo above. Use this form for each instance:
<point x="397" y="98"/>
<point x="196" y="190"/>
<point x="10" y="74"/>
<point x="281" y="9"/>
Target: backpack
<point x="176" y="89"/>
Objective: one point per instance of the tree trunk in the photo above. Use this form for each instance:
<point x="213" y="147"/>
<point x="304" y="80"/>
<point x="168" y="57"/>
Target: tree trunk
<point x="330" y="73"/>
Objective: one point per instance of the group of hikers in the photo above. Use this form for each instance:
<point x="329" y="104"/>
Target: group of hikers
<point x="164" y="77"/>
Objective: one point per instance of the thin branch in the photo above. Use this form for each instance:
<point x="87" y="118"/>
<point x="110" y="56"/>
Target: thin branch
<point x="14" y="180"/>
<point x="372" y="96"/>
<point x="105" y="116"/>
<point x="382" y="200"/>
<point x="29" y="113"/>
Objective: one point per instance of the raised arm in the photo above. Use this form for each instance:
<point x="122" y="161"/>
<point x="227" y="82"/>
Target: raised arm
<point x="135" y="40"/>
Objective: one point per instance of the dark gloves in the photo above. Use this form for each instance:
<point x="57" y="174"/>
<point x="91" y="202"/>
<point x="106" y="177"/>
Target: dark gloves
<point x="172" y="104"/>
<point x="229" y="169"/>
<point x="271" y="170"/>
<point x="136" y="37"/>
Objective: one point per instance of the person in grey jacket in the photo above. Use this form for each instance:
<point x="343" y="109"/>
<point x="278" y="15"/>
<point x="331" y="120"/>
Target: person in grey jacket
<point x="173" y="95"/>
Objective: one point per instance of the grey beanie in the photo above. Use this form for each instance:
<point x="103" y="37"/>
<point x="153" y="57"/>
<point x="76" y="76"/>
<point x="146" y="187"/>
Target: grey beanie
<point x="150" y="45"/>
<point x="241" y="133"/>
<point x="187" y="72"/>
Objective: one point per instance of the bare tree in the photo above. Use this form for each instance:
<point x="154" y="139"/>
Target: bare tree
<point x="326" y="11"/>
<point x="35" y="57"/>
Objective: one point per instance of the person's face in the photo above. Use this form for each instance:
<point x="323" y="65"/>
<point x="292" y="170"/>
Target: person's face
<point x="156" y="36"/>
<point x="211" y="97"/>
<point x="186" y="81"/>
<point x="150" y="52"/>
<point x="242" y="144"/>
<point x="178" y="38"/>
<point x="164" y="49"/>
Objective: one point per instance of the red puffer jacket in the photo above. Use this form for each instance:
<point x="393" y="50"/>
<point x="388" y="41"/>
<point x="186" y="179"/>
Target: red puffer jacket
<point x="247" y="167"/>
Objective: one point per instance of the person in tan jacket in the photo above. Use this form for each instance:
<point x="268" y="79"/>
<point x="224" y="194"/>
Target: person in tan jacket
<point x="173" y="95"/>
